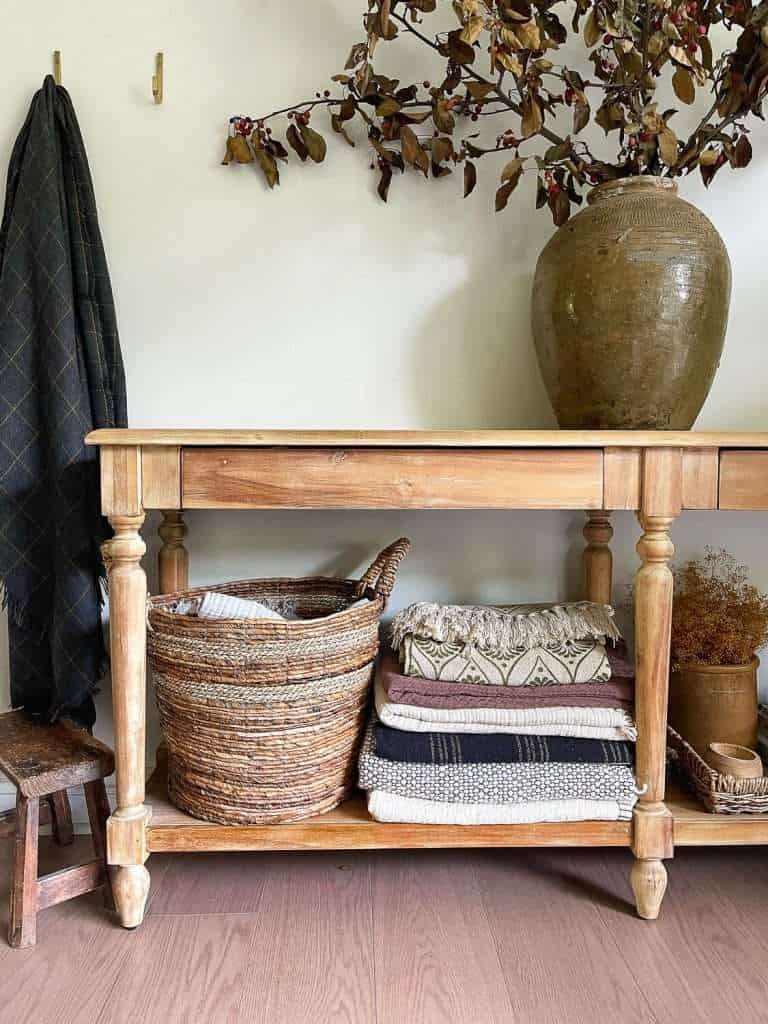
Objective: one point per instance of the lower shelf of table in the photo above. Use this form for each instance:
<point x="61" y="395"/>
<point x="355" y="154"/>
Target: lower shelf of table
<point x="350" y="827"/>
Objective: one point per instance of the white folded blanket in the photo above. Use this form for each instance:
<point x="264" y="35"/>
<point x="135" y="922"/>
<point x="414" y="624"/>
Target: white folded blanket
<point x="388" y="807"/>
<point x="214" y="605"/>
<point x="226" y="606"/>
<point x="589" y="723"/>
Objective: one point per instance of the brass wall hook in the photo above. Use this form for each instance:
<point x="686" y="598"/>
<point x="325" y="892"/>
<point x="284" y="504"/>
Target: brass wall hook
<point x="57" y="66"/>
<point x="157" y="79"/>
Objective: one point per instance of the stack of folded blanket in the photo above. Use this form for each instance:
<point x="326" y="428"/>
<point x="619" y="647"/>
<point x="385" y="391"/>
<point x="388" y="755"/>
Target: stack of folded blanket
<point x="502" y="715"/>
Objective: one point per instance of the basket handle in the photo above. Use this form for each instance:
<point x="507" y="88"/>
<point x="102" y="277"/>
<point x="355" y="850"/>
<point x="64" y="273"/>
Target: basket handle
<point x="379" y="578"/>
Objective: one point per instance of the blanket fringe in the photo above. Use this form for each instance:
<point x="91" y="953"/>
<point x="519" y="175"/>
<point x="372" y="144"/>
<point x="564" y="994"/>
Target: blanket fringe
<point x="505" y="628"/>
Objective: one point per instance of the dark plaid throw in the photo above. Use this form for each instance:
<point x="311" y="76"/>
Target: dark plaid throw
<point x="491" y="748"/>
<point x="61" y="375"/>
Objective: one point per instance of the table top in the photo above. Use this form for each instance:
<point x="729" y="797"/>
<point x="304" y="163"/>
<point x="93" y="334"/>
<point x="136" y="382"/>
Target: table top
<point x="430" y="438"/>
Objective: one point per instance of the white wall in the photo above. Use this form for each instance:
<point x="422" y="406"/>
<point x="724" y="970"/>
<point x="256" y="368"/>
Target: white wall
<point x="318" y="306"/>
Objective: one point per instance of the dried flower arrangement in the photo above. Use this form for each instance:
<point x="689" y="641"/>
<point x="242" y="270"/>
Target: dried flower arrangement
<point x="718" y="617"/>
<point x="631" y="45"/>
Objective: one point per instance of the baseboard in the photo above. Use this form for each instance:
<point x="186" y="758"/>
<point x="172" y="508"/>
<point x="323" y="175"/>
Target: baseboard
<point x="76" y="800"/>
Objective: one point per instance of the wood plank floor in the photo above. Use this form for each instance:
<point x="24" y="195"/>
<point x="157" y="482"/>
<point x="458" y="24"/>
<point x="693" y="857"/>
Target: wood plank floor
<point x="401" y="937"/>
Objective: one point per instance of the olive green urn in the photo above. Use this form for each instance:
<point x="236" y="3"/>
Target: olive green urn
<point x="629" y="310"/>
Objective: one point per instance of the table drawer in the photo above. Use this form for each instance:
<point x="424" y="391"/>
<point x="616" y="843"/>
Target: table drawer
<point x="391" y="478"/>
<point x="743" y="479"/>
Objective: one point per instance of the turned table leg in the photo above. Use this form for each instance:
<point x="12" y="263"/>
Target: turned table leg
<point x="173" y="559"/>
<point x="652" y="838"/>
<point x="126" y="828"/>
<point x="598" y="560"/>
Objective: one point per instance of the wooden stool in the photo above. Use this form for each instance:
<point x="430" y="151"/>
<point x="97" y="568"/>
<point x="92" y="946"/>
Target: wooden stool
<point x="42" y="762"/>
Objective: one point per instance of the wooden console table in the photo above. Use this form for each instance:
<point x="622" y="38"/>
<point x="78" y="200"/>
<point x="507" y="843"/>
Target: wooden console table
<point x="655" y="474"/>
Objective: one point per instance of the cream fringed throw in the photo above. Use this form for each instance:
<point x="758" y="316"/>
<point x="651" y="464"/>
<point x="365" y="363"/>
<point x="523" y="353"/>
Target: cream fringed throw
<point x="507" y="628"/>
<point x="389" y="807"/>
<point x="567" y="661"/>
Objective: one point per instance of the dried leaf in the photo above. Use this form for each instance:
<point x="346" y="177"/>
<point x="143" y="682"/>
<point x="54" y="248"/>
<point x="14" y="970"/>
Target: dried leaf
<point x="314" y="142"/>
<point x="268" y="165"/>
<point x="529" y="35"/>
<point x="338" y="126"/>
<point x="560" y="205"/>
<point x="682" y="83"/>
<point x="559" y="152"/>
<point x="442" y="150"/>
<point x="669" y="29"/>
<point x="532" y="118"/>
<point x="413" y="153"/>
<point x="296" y="142"/>
<point x="509" y="62"/>
<point x="512" y="170"/>
<point x="470" y="177"/>
<point x="742" y="152"/>
<point x="472" y="30"/>
<point x="667" y="141"/>
<point x="385" y="181"/>
<point x="387" y="107"/>
<point x="680" y="56"/>
<point x="479" y="90"/>
<point x="442" y="116"/>
<point x="503" y="193"/>
<point x="384" y="12"/>
<point x="581" y="113"/>
<point x="357" y="54"/>
<point x="592" y="30"/>
<point x="610" y="116"/>
<point x="238" y="151"/>
<point x="458" y="50"/>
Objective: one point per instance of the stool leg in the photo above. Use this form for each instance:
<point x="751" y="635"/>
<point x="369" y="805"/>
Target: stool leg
<point x="98" y="812"/>
<point x="61" y="818"/>
<point x="23" y="917"/>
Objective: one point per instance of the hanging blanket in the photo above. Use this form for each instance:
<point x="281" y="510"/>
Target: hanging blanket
<point x="618" y="692"/>
<point x="505" y="629"/>
<point x="61" y="375"/>
<point x="489" y="748"/>
<point x="388" y="807"/>
<point x="494" y="783"/>
<point x="603" y="723"/>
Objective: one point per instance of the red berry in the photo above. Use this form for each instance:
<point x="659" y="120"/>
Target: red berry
<point x="701" y="29"/>
<point x="426" y="84"/>
<point x="326" y="93"/>
<point x="606" y="40"/>
<point x="693" y="46"/>
<point x="644" y="136"/>
<point x="475" y="117"/>
<point x="674" y="18"/>
<point x="553" y="189"/>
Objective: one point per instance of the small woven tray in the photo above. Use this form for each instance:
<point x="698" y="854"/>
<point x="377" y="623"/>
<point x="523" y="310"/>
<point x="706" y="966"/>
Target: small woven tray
<point x="720" y="794"/>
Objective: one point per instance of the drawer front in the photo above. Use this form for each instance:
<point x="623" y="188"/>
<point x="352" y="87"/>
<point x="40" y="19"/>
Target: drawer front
<point x="744" y="479"/>
<point x="391" y="478"/>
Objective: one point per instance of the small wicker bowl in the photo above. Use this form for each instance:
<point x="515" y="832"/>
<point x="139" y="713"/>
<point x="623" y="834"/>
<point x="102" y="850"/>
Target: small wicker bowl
<point x="734" y="760"/>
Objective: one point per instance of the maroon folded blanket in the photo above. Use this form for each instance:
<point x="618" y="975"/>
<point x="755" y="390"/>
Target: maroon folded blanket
<point x="618" y="692"/>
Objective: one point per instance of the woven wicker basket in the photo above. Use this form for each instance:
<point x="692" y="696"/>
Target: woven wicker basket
<point x="720" y="794"/>
<point x="263" y="718"/>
